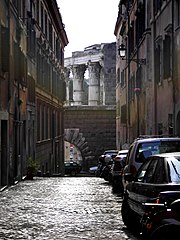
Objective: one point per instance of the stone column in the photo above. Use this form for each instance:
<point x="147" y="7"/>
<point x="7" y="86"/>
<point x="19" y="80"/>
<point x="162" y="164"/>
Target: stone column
<point x="66" y="76"/>
<point x="78" y="78"/>
<point x="94" y="83"/>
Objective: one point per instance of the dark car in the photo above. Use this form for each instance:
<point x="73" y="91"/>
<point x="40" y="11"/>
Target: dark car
<point x="117" y="169"/>
<point x="157" y="181"/>
<point x="72" y="168"/>
<point x="145" y="146"/>
<point x="104" y="160"/>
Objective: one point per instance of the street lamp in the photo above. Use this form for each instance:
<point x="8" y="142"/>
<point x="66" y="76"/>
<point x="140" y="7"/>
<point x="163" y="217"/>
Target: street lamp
<point x="122" y="53"/>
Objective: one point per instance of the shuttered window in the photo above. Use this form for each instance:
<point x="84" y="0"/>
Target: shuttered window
<point x="157" y="64"/>
<point x="167" y="56"/>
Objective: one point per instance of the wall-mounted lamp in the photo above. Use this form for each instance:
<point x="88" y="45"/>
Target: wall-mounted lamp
<point x="122" y="53"/>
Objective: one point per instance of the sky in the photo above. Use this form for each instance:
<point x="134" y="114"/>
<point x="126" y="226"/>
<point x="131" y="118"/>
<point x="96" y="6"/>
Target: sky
<point x="88" y="22"/>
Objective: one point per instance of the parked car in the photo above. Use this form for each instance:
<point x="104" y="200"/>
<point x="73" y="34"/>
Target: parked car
<point x="72" y="168"/>
<point x="92" y="170"/>
<point x="110" y="152"/>
<point x="109" y="155"/>
<point x="144" y="147"/>
<point x="104" y="160"/>
<point x="157" y="181"/>
<point x="117" y="169"/>
<point x="122" y="154"/>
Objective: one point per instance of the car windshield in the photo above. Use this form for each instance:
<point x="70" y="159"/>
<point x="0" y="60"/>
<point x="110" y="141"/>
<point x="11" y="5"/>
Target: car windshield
<point x="150" y="148"/>
<point x="174" y="168"/>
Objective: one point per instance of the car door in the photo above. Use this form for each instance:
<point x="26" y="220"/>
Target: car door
<point x="142" y="189"/>
<point x="136" y="188"/>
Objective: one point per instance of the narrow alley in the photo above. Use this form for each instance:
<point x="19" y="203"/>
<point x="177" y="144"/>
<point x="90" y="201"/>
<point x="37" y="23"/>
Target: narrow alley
<point x="61" y="208"/>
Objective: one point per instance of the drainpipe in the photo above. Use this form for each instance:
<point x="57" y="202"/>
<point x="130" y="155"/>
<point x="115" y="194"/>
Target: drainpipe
<point x="173" y="71"/>
<point x="154" y="80"/>
<point x="128" y="112"/>
<point x="9" y="181"/>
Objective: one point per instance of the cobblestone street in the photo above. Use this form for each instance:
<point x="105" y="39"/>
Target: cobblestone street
<point x="61" y="208"/>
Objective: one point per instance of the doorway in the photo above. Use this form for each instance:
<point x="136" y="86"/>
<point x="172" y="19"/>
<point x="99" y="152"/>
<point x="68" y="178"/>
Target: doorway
<point x="3" y="167"/>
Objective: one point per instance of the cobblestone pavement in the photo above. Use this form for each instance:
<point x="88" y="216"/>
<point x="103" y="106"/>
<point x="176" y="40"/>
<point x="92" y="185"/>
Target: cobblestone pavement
<point x="66" y="208"/>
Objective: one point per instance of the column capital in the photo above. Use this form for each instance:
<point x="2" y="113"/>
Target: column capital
<point x="94" y="69"/>
<point x="67" y="71"/>
<point x="78" y="71"/>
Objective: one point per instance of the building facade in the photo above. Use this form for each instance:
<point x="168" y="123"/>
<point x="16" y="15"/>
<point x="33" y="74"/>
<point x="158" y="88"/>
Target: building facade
<point x="147" y="89"/>
<point x="32" y="41"/>
<point x="51" y="40"/>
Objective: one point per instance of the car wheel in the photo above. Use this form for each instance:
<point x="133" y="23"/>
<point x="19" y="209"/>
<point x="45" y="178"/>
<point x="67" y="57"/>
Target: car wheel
<point x="129" y="217"/>
<point x="73" y="173"/>
<point x="166" y="232"/>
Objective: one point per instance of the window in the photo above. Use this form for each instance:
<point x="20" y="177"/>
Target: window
<point x="174" y="168"/>
<point x="123" y="114"/>
<point x="42" y="17"/>
<point x="54" y="43"/>
<point x="142" y="172"/>
<point x="149" y="176"/>
<point x="122" y="78"/>
<point x="15" y="3"/>
<point x="158" y="63"/>
<point x="4" y="49"/>
<point x="159" y="176"/>
<point x="167" y="56"/>
<point x="46" y="24"/>
<point x="138" y="79"/>
<point x="31" y="35"/>
<point x="58" y="49"/>
<point x="131" y="37"/>
<point x="50" y="35"/>
<point x="118" y="108"/>
<point x="157" y="5"/>
<point x="177" y="13"/>
<point x="131" y="88"/>
<point x="160" y="129"/>
<point x="38" y="122"/>
<point x="42" y="122"/>
<point x="31" y="89"/>
<point x="140" y="22"/>
<point x="118" y="75"/>
<point x="170" y="124"/>
<point x="37" y="10"/>
<point x="19" y="65"/>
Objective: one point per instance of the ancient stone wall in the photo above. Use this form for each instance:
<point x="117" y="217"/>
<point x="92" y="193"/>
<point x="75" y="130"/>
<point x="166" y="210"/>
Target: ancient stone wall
<point x="91" y="129"/>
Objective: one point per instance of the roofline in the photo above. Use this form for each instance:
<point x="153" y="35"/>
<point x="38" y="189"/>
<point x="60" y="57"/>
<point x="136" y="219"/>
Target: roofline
<point x="54" y="10"/>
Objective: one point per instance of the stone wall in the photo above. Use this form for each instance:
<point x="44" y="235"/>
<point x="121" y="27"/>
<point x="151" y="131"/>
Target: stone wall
<point x="91" y="129"/>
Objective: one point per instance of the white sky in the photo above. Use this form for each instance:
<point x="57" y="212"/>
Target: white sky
<point x="88" y="22"/>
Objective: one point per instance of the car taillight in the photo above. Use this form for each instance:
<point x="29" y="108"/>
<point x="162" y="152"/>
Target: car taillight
<point x="157" y="200"/>
<point x="133" y="169"/>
